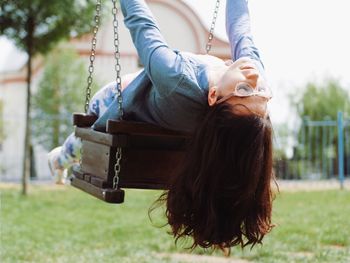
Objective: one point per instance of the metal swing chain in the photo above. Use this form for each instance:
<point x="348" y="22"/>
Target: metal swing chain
<point x="92" y="56"/>
<point x="117" y="166"/>
<point x="118" y="155"/>
<point x="212" y="27"/>
<point x="91" y="66"/>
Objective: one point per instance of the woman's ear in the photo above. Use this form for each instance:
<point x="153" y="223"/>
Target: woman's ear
<point x="212" y="95"/>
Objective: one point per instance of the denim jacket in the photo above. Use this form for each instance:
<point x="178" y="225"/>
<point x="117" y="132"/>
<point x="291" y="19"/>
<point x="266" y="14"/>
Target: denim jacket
<point x="172" y="89"/>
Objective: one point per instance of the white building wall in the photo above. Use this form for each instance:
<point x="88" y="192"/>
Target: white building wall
<point x="14" y="98"/>
<point x="177" y="31"/>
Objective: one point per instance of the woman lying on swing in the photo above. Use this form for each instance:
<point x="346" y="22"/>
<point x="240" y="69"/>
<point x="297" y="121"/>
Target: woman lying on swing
<point x="221" y="195"/>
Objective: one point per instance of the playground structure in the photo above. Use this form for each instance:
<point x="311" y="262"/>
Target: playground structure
<point x="321" y="150"/>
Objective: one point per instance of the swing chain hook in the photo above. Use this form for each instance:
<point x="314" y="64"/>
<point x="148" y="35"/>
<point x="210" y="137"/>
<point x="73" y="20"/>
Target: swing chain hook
<point x="118" y="156"/>
<point x="92" y="56"/>
<point x="212" y="27"/>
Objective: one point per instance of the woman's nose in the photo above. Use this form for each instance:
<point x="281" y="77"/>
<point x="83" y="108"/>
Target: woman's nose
<point x="253" y="77"/>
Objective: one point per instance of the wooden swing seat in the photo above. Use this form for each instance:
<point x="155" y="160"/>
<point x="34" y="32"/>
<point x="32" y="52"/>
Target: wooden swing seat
<point x="149" y="156"/>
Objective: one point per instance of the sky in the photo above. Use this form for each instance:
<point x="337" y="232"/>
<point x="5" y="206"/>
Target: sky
<point x="299" y="41"/>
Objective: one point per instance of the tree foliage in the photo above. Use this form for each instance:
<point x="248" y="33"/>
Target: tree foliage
<point x="60" y="93"/>
<point x="320" y="101"/>
<point x="46" y="22"/>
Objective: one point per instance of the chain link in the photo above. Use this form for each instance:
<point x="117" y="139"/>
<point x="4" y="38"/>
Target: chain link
<point x="117" y="58"/>
<point x="92" y="56"/>
<point x="117" y="167"/>
<point x="117" y="67"/>
<point x="212" y="27"/>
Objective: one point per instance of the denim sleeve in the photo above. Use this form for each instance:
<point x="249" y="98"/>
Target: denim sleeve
<point x="239" y="32"/>
<point x="162" y="64"/>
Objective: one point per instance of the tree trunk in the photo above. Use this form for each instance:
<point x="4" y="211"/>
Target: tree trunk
<point x="56" y="131"/>
<point x="27" y="137"/>
<point x="26" y="159"/>
<point x="56" y="109"/>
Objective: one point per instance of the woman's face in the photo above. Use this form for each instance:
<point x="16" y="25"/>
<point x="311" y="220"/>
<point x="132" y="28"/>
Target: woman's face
<point x="245" y="71"/>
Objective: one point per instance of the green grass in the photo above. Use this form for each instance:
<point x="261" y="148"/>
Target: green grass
<point x="62" y="224"/>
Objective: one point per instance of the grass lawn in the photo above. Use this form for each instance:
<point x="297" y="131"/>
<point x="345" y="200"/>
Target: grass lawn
<point x="62" y="224"/>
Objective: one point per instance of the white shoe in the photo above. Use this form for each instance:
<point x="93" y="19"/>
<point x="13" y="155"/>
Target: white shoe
<point x="58" y="172"/>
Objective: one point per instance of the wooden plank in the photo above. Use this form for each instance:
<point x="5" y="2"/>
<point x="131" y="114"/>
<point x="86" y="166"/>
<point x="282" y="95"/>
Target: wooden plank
<point x="140" y="168"/>
<point x="132" y="140"/>
<point x="87" y="178"/>
<point x="96" y="181"/>
<point x="78" y="173"/>
<point x="83" y="120"/>
<point x="157" y="142"/>
<point x="95" y="159"/>
<point x="144" y="185"/>
<point x="115" y="196"/>
<point x="101" y="137"/>
<point x="148" y="169"/>
<point x="128" y="127"/>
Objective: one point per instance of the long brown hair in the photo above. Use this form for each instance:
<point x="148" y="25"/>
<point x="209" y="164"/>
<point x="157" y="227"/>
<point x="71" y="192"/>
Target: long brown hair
<point x="221" y="195"/>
